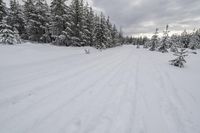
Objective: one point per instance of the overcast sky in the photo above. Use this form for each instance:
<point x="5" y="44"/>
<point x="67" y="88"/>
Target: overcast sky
<point x="141" y="17"/>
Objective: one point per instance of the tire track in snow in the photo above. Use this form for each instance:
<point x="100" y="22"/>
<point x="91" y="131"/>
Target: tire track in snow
<point x="69" y="81"/>
<point x="41" y="71"/>
<point x="101" y="89"/>
<point x="176" y="109"/>
<point x="70" y="75"/>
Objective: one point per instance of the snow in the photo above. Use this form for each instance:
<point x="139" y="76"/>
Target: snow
<point x="49" y="89"/>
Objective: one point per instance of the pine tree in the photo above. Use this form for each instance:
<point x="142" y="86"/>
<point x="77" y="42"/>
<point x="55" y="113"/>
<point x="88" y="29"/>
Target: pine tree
<point x="31" y="21"/>
<point x="59" y="26"/>
<point x="88" y="26"/>
<point x="154" y="40"/>
<point x="77" y="23"/>
<point x="185" y="39"/>
<point x="16" y="17"/>
<point x="2" y="10"/>
<point x="194" y="41"/>
<point x="108" y="33"/>
<point x="6" y="33"/>
<point x="120" y="37"/>
<point x="42" y="20"/>
<point x="101" y="40"/>
<point x="179" y="61"/>
<point x="67" y="33"/>
<point x="165" y="39"/>
<point x="174" y="43"/>
<point x="114" y="35"/>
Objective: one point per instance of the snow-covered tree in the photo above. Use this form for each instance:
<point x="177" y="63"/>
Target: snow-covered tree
<point x="120" y="37"/>
<point x="180" y="60"/>
<point x="77" y="23"/>
<point x="2" y="10"/>
<point x="42" y="18"/>
<point x="108" y="34"/>
<point x="194" y="40"/>
<point x="59" y="13"/>
<point x="185" y="39"/>
<point x="31" y="20"/>
<point x="154" y="40"/>
<point x="7" y="35"/>
<point x="16" y="17"/>
<point x="165" y="40"/>
<point x="100" y="30"/>
<point x="174" y="43"/>
<point x="114" y="35"/>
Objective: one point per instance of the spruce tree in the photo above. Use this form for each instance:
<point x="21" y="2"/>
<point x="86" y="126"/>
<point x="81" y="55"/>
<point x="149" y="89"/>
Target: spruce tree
<point x="108" y="33"/>
<point x="2" y="10"/>
<point x="77" y="23"/>
<point x="120" y="37"/>
<point x="42" y="20"/>
<point x="185" y="39"/>
<point x="6" y="33"/>
<point x="67" y="33"/>
<point x="16" y="17"/>
<point x="31" y="21"/>
<point x="58" y="22"/>
<point x="194" y="41"/>
<point x="165" y="41"/>
<point x="114" y="35"/>
<point x="180" y="60"/>
<point x="101" y="40"/>
<point x="154" y="41"/>
<point x="174" y="43"/>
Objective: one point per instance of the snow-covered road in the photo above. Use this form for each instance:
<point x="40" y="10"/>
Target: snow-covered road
<point x="48" y="89"/>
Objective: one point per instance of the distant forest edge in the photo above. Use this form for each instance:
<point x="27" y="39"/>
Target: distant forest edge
<point x="77" y="25"/>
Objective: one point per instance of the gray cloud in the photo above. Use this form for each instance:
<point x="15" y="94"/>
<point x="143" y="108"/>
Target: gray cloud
<point x="143" y="16"/>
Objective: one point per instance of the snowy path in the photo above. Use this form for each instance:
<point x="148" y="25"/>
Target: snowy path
<point x="46" y="89"/>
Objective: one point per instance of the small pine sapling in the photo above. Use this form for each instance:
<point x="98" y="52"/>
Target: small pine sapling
<point x="180" y="60"/>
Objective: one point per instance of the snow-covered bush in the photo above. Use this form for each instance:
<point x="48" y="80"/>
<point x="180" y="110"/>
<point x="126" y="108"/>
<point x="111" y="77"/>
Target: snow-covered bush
<point x="180" y="60"/>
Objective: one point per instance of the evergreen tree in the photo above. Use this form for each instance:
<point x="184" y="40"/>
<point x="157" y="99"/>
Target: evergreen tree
<point x="16" y="17"/>
<point x="31" y="21"/>
<point x="108" y="33"/>
<point x="185" y="39"/>
<point x="165" y="39"/>
<point x="120" y="37"/>
<point x="114" y="35"/>
<point x="77" y="23"/>
<point x="194" y="40"/>
<point x="42" y="19"/>
<point x="90" y="26"/>
<point x="179" y="61"/>
<point x="58" y="22"/>
<point x="7" y="35"/>
<point x="2" y="10"/>
<point x="154" y="41"/>
<point x="100" y="33"/>
<point x="174" y="43"/>
<point x="67" y="33"/>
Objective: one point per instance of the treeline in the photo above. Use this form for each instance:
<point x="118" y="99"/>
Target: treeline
<point x="75" y="24"/>
<point x="166" y="42"/>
